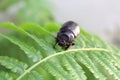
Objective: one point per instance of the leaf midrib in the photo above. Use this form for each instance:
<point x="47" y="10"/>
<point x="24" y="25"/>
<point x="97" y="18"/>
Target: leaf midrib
<point x="56" y="54"/>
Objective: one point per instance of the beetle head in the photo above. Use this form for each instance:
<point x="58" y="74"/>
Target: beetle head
<point x="65" y="39"/>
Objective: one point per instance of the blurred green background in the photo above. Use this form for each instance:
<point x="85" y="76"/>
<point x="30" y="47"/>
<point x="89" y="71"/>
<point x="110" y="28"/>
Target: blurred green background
<point x="19" y="11"/>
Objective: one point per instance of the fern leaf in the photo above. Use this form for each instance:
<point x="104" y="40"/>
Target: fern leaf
<point x="30" y="51"/>
<point x="34" y="35"/>
<point x="89" y="53"/>
<point x="52" y="28"/>
<point x="57" y="71"/>
<point x="84" y="59"/>
<point x="13" y="64"/>
<point x="39" y="30"/>
<point x="34" y="75"/>
<point x="57" y="54"/>
<point x="111" y="69"/>
<point x="112" y="58"/>
<point x="74" y="68"/>
<point x="5" y="76"/>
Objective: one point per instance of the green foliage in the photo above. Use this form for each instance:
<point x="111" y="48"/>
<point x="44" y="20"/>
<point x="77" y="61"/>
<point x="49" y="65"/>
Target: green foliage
<point x="17" y="67"/>
<point x="36" y="11"/>
<point x="5" y="76"/>
<point x="28" y="52"/>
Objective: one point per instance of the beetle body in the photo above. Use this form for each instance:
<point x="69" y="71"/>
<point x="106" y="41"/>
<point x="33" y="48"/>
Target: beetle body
<point x="68" y="32"/>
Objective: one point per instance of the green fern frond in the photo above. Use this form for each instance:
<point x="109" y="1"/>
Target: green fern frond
<point x="30" y="51"/>
<point x="5" y="76"/>
<point x="13" y="64"/>
<point x="60" y="53"/>
<point x="85" y="60"/>
<point x="34" y="75"/>
<point x="56" y="70"/>
<point x="90" y="59"/>
<point x="74" y="68"/>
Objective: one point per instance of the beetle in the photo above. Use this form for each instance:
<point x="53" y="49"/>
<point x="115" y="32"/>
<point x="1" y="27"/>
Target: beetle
<point x="68" y="32"/>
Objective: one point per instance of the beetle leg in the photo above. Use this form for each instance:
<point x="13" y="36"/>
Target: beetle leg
<point x="73" y="44"/>
<point x="67" y="47"/>
<point x="64" y="42"/>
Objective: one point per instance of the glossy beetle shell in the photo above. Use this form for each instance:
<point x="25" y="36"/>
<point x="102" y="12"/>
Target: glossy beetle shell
<point x="68" y="32"/>
<point x="70" y="25"/>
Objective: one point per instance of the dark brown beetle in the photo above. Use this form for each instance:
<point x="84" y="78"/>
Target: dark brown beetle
<point x="68" y="32"/>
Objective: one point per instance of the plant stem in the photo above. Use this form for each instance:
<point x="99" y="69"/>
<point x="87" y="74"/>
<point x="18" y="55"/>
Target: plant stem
<point x="56" y="54"/>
